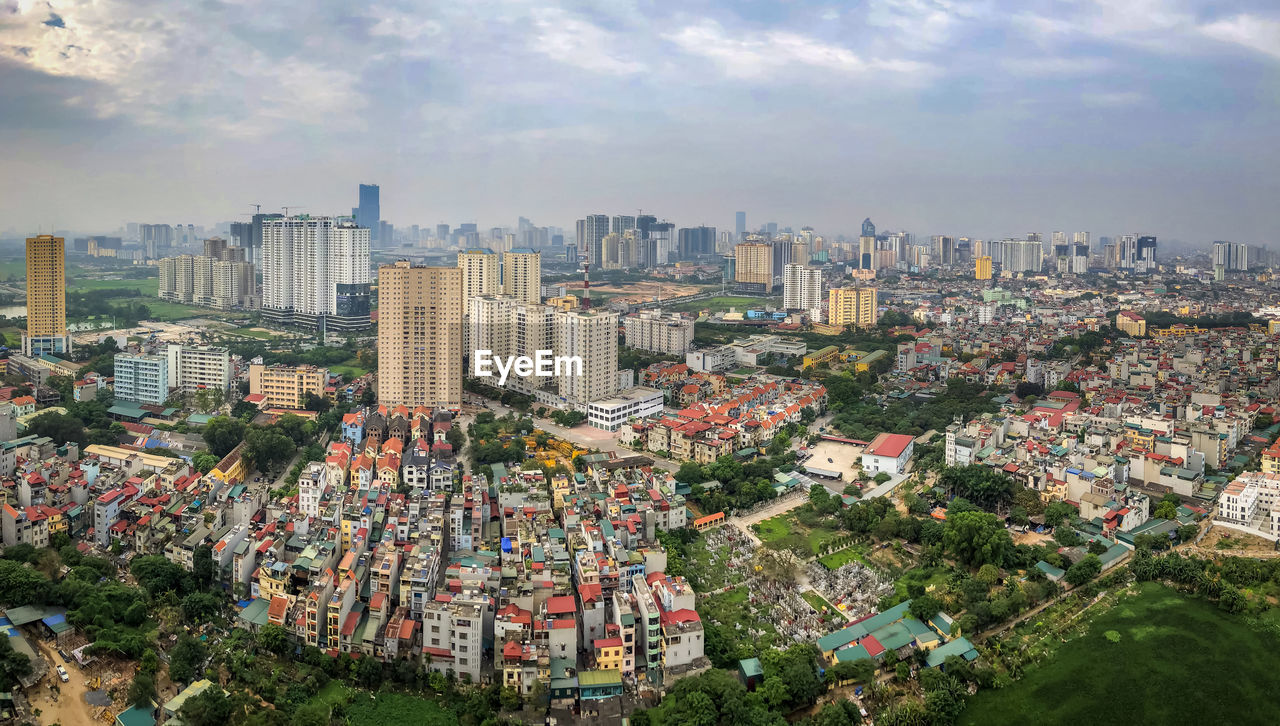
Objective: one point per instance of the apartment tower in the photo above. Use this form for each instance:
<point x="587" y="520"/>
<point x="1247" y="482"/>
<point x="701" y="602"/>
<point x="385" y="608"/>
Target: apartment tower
<point x="46" y="297"/>
<point x="420" y="336"/>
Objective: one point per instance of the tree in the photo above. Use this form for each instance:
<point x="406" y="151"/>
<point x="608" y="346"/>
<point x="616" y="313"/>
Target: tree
<point x="268" y="448"/>
<point x="1187" y="532"/>
<point x="1084" y="570"/>
<point x="57" y="426"/>
<point x="222" y="434"/>
<point x="186" y="659"/>
<point x="979" y="484"/>
<point x="204" y="461"/>
<point x="1166" y="510"/>
<point x="1057" y="512"/>
<point x="1097" y="547"/>
<point x="274" y="639"/>
<point x="924" y="607"/>
<point x="199" y="607"/>
<point x="691" y="472"/>
<point x="142" y="691"/>
<point x="209" y="708"/>
<point x="976" y="539"/>
<point x="202" y="565"/>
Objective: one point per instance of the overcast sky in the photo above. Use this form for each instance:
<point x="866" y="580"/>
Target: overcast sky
<point x="988" y="118"/>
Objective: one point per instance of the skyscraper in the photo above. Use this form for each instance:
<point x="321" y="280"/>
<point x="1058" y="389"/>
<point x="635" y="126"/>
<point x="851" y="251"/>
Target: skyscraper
<point x="1145" y="260"/>
<point x="420" y="336"/>
<point x="753" y="267"/>
<point x="868" y="229"/>
<point x="802" y="289"/>
<point x="982" y="268"/>
<point x="480" y="273"/>
<point x="740" y="225"/>
<point x="592" y="336"/>
<point x="46" y="297"/>
<point x="315" y="272"/>
<point x="369" y="213"/>
<point x="621" y="223"/>
<point x="594" y="228"/>
<point x="522" y="275"/>
<point x="695" y="241"/>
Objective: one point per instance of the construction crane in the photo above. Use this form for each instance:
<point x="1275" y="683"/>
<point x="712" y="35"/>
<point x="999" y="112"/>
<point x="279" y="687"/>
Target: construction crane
<point x="292" y="206"/>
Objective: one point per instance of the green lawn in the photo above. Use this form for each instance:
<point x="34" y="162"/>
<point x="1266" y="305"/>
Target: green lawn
<point x="349" y="369"/>
<point x="380" y="709"/>
<point x="926" y="577"/>
<point x="785" y="532"/>
<point x="840" y="558"/>
<point x="147" y="287"/>
<point x="819" y="603"/>
<point x="1177" y="660"/>
<point x="724" y="303"/>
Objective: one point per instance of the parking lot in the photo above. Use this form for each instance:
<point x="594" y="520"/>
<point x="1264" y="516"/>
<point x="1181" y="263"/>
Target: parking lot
<point x="842" y="457"/>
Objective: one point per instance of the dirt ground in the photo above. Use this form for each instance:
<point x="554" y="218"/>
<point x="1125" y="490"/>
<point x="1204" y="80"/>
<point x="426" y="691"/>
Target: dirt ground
<point x="638" y="292"/>
<point x="67" y="706"/>
<point x="1240" y="543"/>
<point x="1031" y="538"/>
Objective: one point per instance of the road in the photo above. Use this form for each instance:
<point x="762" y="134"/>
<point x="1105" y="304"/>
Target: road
<point x="280" y="483"/>
<point x="779" y="506"/>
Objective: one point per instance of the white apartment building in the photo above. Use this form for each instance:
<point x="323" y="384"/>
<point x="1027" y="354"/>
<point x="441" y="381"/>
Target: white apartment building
<point x="1253" y="500"/>
<point x="613" y="412"/>
<point x="142" y="378"/>
<point x="592" y="336"/>
<point x="654" y="331"/>
<point x="192" y="368"/>
<point x="315" y="272"/>
<point x="802" y="289"/>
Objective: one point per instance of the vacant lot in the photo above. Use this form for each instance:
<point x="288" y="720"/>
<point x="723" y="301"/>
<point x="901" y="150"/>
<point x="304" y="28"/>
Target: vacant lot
<point x="147" y="286"/>
<point x="788" y="532"/>
<point x="1155" y="658"/>
<point x="723" y="303"/>
<point x="842" y="456"/>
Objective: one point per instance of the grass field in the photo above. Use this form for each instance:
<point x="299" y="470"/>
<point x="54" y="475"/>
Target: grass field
<point x="1169" y="660"/>
<point x="349" y="369"/>
<point x="786" y="532"/>
<point x="377" y="709"/>
<point x="148" y="287"/>
<point x="819" y="603"/>
<point x="839" y="558"/>
<point x="724" y="303"/>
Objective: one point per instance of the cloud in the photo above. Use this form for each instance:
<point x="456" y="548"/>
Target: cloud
<point x="1250" y="31"/>
<point x="763" y="55"/>
<point x="1112" y="99"/>
<point x="576" y="42"/>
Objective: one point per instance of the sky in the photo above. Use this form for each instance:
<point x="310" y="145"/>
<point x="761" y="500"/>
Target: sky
<point x="987" y="118"/>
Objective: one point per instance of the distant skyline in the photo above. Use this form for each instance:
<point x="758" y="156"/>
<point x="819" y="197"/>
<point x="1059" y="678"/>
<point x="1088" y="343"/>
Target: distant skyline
<point x="989" y="118"/>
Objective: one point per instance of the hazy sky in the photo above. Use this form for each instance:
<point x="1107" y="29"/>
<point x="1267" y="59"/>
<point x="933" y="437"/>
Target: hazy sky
<point x="987" y="118"/>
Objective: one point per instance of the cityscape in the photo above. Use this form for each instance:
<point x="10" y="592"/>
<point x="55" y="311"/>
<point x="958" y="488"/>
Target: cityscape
<point x="736" y="426"/>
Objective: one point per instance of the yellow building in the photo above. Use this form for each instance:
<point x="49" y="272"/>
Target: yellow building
<point x="46" y="297"/>
<point x="272" y="582"/>
<point x="565" y="304"/>
<point x="982" y="268"/>
<point x="821" y="356"/>
<point x="232" y="469"/>
<point x="522" y="275"/>
<point x="1271" y="459"/>
<point x="852" y="306"/>
<point x="480" y="274"/>
<point x="420" y="336"/>
<point x="608" y="652"/>
<point x="753" y="266"/>
<point x="1131" y="323"/>
<point x="286" y="386"/>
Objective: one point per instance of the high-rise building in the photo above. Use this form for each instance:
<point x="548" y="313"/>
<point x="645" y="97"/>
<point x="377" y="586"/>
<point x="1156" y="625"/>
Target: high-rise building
<point x="695" y="241"/>
<point x="802" y="289"/>
<point x="594" y="229"/>
<point x="656" y="332"/>
<point x="1145" y="260"/>
<point x="982" y="268"/>
<point x="621" y="223"/>
<point x="142" y="379"/>
<point x="522" y="275"/>
<point x="592" y="336"/>
<point x="753" y="267"/>
<point x="740" y="225"/>
<point x="868" y="228"/>
<point x="369" y="213"/>
<point x="853" y="306"/>
<point x="286" y="386"/>
<point x="1230" y="256"/>
<point x="420" y="336"/>
<point x="193" y="368"/>
<point x="866" y="250"/>
<point x="315" y="272"/>
<point x="46" y="297"/>
<point x="481" y="274"/>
